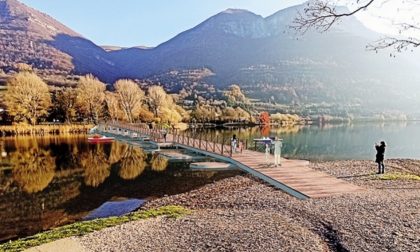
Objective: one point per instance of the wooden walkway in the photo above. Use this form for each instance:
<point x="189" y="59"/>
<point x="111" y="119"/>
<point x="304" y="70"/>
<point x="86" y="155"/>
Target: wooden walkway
<point x="293" y="176"/>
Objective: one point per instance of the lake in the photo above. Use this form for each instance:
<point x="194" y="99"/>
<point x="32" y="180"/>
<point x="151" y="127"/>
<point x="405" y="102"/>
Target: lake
<point x="336" y="142"/>
<point x="51" y="181"/>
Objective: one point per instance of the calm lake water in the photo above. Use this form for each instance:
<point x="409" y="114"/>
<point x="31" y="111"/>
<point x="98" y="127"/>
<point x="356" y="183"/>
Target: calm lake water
<point x="337" y="142"/>
<point x="51" y="181"/>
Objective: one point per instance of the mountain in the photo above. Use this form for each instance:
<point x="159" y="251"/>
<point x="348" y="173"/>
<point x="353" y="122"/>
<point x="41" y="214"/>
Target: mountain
<point x="272" y="62"/>
<point x="29" y="36"/>
<point x="268" y="60"/>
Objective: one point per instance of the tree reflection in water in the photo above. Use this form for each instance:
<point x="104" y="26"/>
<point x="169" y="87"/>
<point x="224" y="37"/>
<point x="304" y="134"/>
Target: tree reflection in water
<point x="96" y="166"/>
<point x="159" y="163"/>
<point x="132" y="162"/>
<point x="33" y="169"/>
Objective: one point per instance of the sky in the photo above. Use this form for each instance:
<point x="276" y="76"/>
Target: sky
<point x="130" y="23"/>
<point x="143" y="22"/>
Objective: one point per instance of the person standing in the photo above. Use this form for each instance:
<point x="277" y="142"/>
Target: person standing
<point x="234" y="143"/>
<point x="268" y="143"/>
<point x="278" y="144"/>
<point x="164" y="133"/>
<point x="380" y="156"/>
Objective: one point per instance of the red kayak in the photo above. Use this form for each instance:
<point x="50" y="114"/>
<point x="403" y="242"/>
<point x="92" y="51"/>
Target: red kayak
<point x="100" y="139"/>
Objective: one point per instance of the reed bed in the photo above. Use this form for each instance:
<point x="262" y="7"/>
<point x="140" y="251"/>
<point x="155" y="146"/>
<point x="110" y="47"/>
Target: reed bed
<point x="47" y="129"/>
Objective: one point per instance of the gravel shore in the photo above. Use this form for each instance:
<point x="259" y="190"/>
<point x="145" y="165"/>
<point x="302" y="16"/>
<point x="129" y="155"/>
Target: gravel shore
<point x="244" y="214"/>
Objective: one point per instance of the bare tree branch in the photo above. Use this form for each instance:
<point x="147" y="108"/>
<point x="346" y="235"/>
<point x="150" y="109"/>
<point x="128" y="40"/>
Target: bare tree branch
<point x="398" y="44"/>
<point x="321" y="15"/>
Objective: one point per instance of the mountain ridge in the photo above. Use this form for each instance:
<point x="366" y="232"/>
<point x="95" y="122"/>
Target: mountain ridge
<point x="238" y="46"/>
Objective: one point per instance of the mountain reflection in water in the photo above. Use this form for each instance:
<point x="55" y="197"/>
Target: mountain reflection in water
<point x="50" y="181"/>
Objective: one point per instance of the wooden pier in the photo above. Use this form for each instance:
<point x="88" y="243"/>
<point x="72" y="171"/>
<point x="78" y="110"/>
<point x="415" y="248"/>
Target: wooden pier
<point x="294" y="177"/>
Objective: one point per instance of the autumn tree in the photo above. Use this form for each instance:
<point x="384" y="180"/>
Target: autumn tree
<point x="27" y="97"/>
<point x="168" y="115"/>
<point x="156" y="99"/>
<point x="145" y="115"/>
<point x="65" y="103"/>
<point x="130" y="98"/>
<point x="264" y="118"/>
<point x="90" y="97"/>
<point x="242" y="114"/>
<point x="234" y="96"/>
<point x="202" y="114"/>
<point x="23" y="67"/>
<point x="321" y="15"/>
<point x="112" y="106"/>
<point x="163" y="106"/>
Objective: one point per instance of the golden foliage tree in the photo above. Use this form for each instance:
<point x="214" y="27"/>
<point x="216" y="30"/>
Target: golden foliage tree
<point x="163" y="106"/>
<point x="145" y="115"/>
<point x="235" y="96"/>
<point x="33" y="169"/>
<point x="27" y="97"/>
<point x="157" y="99"/>
<point x="90" y="97"/>
<point x="112" y="106"/>
<point x="170" y="115"/>
<point x="23" y="67"/>
<point x="130" y="98"/>
<point x="66" y="99"/>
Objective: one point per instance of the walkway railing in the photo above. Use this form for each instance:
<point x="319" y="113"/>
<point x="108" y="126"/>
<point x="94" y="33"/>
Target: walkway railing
<point x="210" y="143"/>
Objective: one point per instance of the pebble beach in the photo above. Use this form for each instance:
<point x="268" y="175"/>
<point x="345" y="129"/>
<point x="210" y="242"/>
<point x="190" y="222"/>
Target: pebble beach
<point x="242" y="213"/>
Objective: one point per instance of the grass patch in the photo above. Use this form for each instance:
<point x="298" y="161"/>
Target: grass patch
<point x="85" y="227"/>
<point x="399" y="176"/>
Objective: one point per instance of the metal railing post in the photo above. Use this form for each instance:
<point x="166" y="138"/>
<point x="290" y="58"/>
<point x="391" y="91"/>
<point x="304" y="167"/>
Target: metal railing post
<point x="223" y="145"/>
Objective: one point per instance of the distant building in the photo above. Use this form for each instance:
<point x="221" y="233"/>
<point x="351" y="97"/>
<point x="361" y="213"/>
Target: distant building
<point x="188" y="102"/>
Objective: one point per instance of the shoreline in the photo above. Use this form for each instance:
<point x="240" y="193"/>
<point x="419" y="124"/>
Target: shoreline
<point x="241" y="213"/>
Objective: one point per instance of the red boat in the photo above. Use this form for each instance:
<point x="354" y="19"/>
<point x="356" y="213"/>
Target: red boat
<point x="100" y="139"/>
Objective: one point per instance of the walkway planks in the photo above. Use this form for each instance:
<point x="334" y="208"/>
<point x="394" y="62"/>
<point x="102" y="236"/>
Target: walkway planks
<point x="293" y="176"/>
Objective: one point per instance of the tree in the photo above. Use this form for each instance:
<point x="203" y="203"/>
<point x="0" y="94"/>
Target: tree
<point x="234" y="96"/>
<point x="130" y="98"/>
<point x="66" y="104"/>
<point x="23" y="67"/>
<point x="321" y="15"/>
<point x="90" y="97"/>
<point x="264" y="118"/>
<point x="27" y="97"/>
<point x="145" y="115"/>
<point x="169" y="115"/>
<point x="157" y="99"/>
<point x="112" y="106"/>
<point x="201" y="113"/>
<point x="242" y="114"/>
<point x="229" y="114"/>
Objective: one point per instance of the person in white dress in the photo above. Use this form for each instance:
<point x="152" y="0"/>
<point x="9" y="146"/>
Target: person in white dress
<point x="267" y="148"/>
<point x="234" y="143"/>
<point x="278" y="144"/>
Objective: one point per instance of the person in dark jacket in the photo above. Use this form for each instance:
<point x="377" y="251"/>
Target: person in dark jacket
<point x="380" y="156"/>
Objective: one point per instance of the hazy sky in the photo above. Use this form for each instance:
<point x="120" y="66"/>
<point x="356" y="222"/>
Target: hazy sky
<point x="151" y="22"/>
<point x="143" y="22"/>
